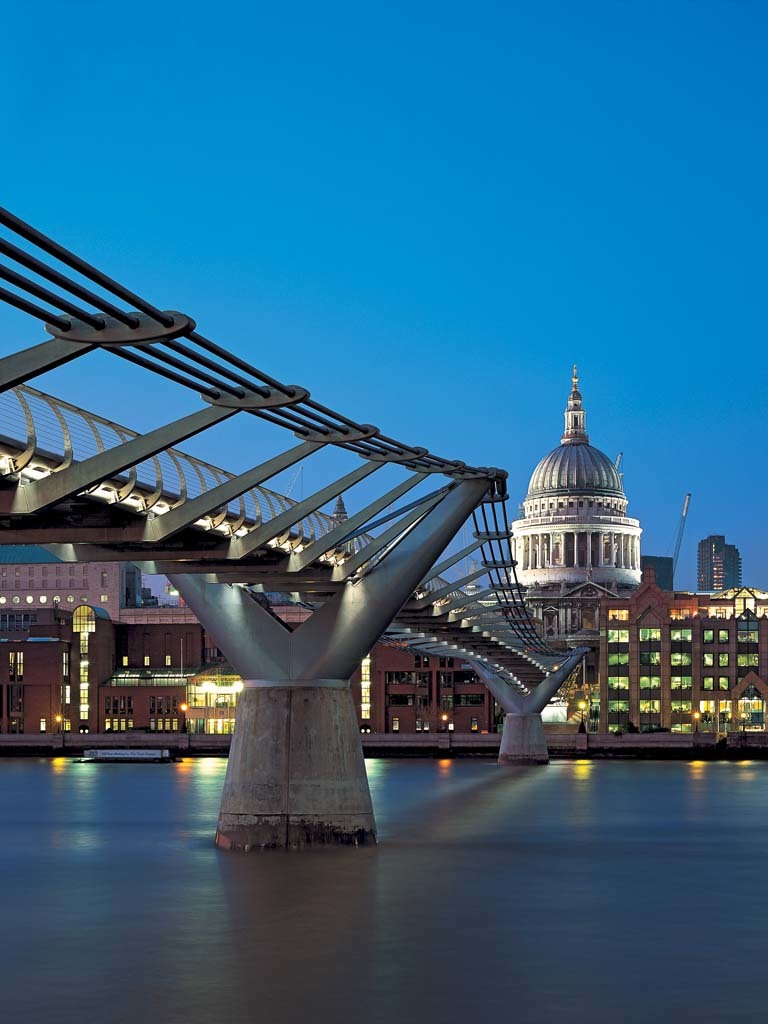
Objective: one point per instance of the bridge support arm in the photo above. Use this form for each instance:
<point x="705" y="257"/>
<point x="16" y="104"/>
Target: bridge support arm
<point x="296" y="775"/>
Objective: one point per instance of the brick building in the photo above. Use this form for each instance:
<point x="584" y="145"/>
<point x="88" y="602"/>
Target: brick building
<point x="683" y="661"/>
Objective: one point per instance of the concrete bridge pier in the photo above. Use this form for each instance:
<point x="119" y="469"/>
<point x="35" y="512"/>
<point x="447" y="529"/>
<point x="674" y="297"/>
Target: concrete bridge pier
<point x="296" y="775"/>
<point x="523" y="740"/>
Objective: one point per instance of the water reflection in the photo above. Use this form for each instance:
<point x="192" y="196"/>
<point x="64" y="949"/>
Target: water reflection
<point x="580" y="891"/>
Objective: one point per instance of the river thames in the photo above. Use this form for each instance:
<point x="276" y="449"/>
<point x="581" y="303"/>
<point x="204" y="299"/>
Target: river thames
<point x="585" y="891"/>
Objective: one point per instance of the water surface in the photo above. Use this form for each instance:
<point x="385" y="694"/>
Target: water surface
<point x="584" y="891"/>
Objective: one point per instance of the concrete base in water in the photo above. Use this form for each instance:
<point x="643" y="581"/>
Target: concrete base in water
<point x="523" y="740"/>
<point x="296" y="775"/>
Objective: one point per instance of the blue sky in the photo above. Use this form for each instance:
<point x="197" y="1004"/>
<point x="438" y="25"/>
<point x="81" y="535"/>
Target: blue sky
<point x="426" y="213"/>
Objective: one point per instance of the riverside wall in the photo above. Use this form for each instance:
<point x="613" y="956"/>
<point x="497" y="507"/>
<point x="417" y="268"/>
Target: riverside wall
<point x="450" y="744"/>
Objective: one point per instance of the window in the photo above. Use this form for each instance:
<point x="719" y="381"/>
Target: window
<point x="618" y="615"/>
<point x="419" y="725"/>
<point x="125" y="660"/>
<point x="708" y="683"/>
<point x="650" y="707"/>
<point x="618" y="636"/>
<point x="43" y="725"/>
<point x="146" y="661"/>
<point x="650" y="682"/>
<point x="395" y="725"/>
<point x="650" y="657"/>
<point x="681" y="707"/>
<point x="618" y="705"/>
<point x="650" y="634"/>
<point x="722" y="659"/>
<point x="709" y="636"/>
<point x="686" y="635"/>
<point x="619" y="659"/>
<point x="751" y="660"/>
<point x="104" y="598"/>
<point x="473" y="725"/>
<point x="167" y="659"/>
<point x="681" y="658"/>
<point x="708" y="659"/>
<point x="618" y="683"/>
<point x="681" y="682"/>
<point x="723" y="683"/>
<point x="722" y="636"/>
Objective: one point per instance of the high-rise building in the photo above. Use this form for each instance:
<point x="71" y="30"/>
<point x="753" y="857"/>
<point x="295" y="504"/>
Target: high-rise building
<point x="663" y="566"/>
<point x="719" y="564"/>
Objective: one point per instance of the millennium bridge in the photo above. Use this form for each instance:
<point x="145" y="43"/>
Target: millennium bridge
<point x="90" y="488"/>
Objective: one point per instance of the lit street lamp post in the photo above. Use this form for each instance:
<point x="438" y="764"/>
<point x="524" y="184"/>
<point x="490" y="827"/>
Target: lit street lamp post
<point x="696" y="717"/>
<point x="582" y="708"/>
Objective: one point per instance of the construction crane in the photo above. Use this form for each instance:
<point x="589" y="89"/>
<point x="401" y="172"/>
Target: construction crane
<point x="679" y="541"/>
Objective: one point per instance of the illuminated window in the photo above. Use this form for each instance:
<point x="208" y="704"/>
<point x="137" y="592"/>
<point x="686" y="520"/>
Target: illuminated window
<point x="43" y="725"/>
<point x="104" y="598"/>
<point x="29" y="599"/>
<point x="618" y="682"/>
<point x="751" y="660"/>
<point x="618" y="705"/>
<point x="681" y="658"/>
<point x="618" y="615"/>
<point x="681" y="706"/>
<point x="146" y="661"/>
<point x="709" y="636"/>
<point x="650" y="634"/>
<point x="708" y="659"/>
<point x="395" y="725"/>
<point x="650" y="707"/>
<point x="619" y="659"/>
<point x="473" y="725"/>
<point x="708" y="683"/>
<point x="618" y="636"/>
<point x="723" y="683"/>
<point x="125" y="660"/>
<point x="722" y="636"/>
<point x="681" y="682"/>
<point x="365" y="687"/>
<point x="167" y="659"/>
<point x="722" y="659"/>
<point x="650" y="682"/>
<point x="686" y="635"/>
<point x="43" y="599"/>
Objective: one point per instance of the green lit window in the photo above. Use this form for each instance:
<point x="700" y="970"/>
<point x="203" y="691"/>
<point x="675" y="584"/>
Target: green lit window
<point x="618" y="705"/>
<point x="722" y="636"/>
<point x="723" y="683"/>
<point x="708" y="659"/>
<point x="650" y="634"/>
<point x="747" y="659"/>
<point x="680" y="682"/>
<point x="708" y="683"/>
<point x="618" y="636"/>
<point x="650" y="657"/>
<point x="650" y="707"/>
<point x="709" y="636"/>
<point x="685" y="635"/>
<point x="618" y="683"/>
<point x="722" y="659"/>
<point x="680" y="658"/>
<point x="618" y="659"/>
<point x="681" y="706"/>
<point x="650" y="682"/>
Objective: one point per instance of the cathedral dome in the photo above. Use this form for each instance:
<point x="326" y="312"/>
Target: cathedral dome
<point x="575" y="468"/>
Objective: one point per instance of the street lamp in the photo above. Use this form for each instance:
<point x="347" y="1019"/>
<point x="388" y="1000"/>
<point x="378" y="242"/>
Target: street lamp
<point x="744" y="717"/>
<point x="582" y="708"/>
<point x="183" y="709"/>
<point x="696" y="717"/>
